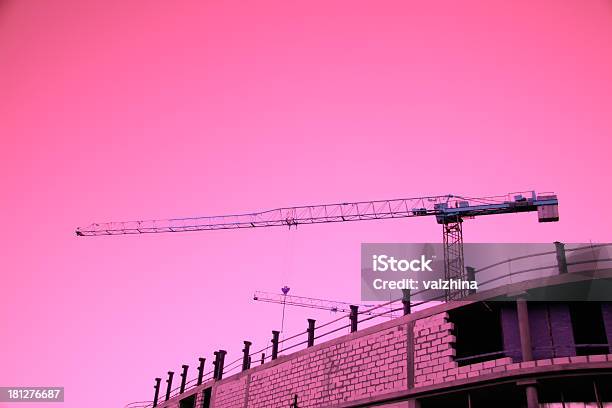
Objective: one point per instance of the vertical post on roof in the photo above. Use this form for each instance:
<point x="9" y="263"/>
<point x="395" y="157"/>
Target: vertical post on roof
<point x="311" y="332"/>
<point x="157" y="384"/>
<point x="183" y="378"/>
<point x="245" y="356"/>
<point x="406" y="301"/>
<point x="353" y="317"/>
<point x="561" y="259"/>
<point x="169" y="387"/>
<point x="201" y="370"/>
<point x="275" y="334"/>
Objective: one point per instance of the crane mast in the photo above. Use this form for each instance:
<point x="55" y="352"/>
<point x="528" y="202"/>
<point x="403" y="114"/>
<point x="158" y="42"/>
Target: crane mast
<point x="449" y="210"/>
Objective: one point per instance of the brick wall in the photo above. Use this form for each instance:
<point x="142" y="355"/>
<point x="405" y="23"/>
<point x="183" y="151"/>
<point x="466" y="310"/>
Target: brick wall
<point x="383" y="359"/>
<point x="231" y="393"/>
<point x="348" y="369"/>
<point x="550" y="326"/>
<point x="434" y="354"/>
<point x="561" y="329"/>
<point x="366" y="366"/>
<point x="539" y="327"/>
<point x="551" y="330"/>
<point x="434" y="350"/>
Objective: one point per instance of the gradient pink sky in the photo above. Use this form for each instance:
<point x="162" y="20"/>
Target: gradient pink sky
<point x="122" y="110"/>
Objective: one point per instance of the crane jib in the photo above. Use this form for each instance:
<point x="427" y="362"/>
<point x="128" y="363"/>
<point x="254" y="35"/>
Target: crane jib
<point x="447" y="209"/>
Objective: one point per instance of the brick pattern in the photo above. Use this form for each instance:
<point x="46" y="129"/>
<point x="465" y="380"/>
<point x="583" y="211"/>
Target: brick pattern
<point x="362" y="366"/>
<point x="359" y="368"/>
<point x="231" y="393"/>
<point x="434" y="354"/>
<point x="561" y="329"/>
<point x="433" y="350"/>
<point x="598" y="358"/>
<point x="551" y="330"/>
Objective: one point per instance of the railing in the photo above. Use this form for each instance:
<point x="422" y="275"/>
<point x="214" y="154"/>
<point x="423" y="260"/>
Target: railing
<point x="271" y="352"/>
<point x="278" y="347"/>
<point x="477" y="358"/>
<point x="558" y="263"/>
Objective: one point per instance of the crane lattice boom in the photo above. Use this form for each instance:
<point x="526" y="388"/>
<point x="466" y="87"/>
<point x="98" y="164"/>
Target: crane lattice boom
<point x="449" y="210"/>
<point x="446" y="208"/>
<point x="314" y="303"/>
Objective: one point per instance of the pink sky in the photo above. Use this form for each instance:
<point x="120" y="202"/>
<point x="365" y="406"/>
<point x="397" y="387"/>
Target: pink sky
<point x="134" y="110"/>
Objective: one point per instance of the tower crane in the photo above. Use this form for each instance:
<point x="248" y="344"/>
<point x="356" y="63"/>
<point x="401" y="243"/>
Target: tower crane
<point x="449" y="211"/>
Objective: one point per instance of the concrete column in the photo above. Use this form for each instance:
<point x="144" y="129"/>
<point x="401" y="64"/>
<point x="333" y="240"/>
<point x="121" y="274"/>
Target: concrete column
<point x="606" y="313"/>
<point x="524" y="332"/>
<point x="532" y="396"/>
<point x="525" y="335"/>
<point x="510" y="331"/>
<point x="410" y="364"/>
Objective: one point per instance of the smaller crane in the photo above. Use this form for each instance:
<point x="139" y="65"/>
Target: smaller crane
<point x="314" y="303"/>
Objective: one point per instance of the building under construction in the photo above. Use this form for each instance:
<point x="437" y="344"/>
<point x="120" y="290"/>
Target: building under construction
<point x="503" y="347"/>
<point x="542" y="341"/>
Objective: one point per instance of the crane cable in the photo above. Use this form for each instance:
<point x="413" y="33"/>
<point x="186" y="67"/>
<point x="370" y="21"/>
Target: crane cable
<point x="286" y="273"/>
